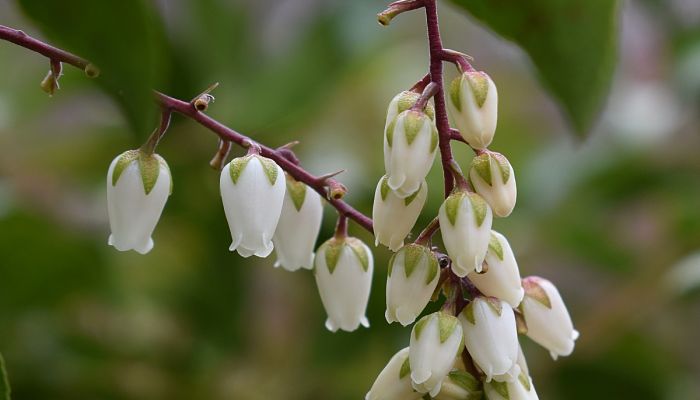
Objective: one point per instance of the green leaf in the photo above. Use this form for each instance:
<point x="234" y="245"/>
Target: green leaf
<point x="573" y="44"/>
<point x="405" y="368"/>
<point x="124" y="39"/>
<point x="149" y="165"/>
<point x="296" y="191"/>
<point x="4" y="382"/>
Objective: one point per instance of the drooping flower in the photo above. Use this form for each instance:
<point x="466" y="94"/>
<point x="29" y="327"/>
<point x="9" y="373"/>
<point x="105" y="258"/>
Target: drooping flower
<point x="436" y="340"/>
<point x="394" y="216"/>
<point x="474" y="107"/>
<point x="460" y="385"/>
<point x="465" y="224"/>
<point x="502" y="278"/>
<point x="412" y="278"/>
<point x="138" y="186"/>
<point x="547" y="319"/>
<point x="410" y="145"/>
<point x="298" y="227"/>
<point x="394" y="382"/>
<point x="491" y="337"/>
<point x="252" y="190"/>
<point x="400" y="103"/>
<point x="343" y="270"/>
<point x="493" y="178"/>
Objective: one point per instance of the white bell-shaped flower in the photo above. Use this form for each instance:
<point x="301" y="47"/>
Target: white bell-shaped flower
<point x="252" y="190"/>
<point x="298" y="227"/>
<point x="138" y="185"/>
<point x="412" y="278"/>
<point x="474" y="107"/>
<point x="491" y="337"/>
<point x="502" y="278"/>
<point x="465" y="224"/>
<point x="547" y="319"/>
<point x="460" y="385"/>
<point x="393" y="216"/>
<point x="493" y="178"/>
<point x="400" y="103"/>
<point x="343" y="270"/>
<point x="410" y="145"/>
<point x="436" y="340"/>
<point x="394" y="382"/>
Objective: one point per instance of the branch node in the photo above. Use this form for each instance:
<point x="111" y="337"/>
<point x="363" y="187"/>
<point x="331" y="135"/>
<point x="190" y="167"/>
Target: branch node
<point x="396" y="8"/>
<point x="336" y="190"/>
<point x="202" y="100"/>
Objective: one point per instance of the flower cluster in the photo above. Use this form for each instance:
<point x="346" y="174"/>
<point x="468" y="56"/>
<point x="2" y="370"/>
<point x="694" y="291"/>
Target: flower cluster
<point x="470" y="347"/>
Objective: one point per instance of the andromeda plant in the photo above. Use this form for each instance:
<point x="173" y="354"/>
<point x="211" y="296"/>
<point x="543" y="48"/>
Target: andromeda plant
<point x="468" y="348"/>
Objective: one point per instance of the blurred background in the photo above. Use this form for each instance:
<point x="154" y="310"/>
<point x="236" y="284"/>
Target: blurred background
<point x="613" y="220"/>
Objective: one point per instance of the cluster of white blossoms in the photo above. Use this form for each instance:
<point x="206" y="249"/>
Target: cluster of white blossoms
<point x="266" y="209"/>
<point x="475" y="352"/>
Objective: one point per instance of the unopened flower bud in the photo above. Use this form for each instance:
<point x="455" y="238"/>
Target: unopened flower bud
<point x="491" y="337"/>
<point x="519" y="389"/>
<point x="413" y="276"/>
<point x="394" y="382"/>
<point x="493" y="178"/>
<point x="298" y="227"/>
<point x="343" y="270"/>
<point x="410" y="145"/>
<point x="138" y="186"/>
<point x="394" y="216"/>
<point x="252" y="190"/>
<point x="502" y="279"/>
<point x="465" y="224"/>
<point x="460" y="385"/>
<point x="436" y="340"/>
<point x="548" y="321"/>
<point x="474" y="107"/>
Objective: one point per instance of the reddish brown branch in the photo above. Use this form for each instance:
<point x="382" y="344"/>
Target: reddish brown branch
<point x="169" y="104"/>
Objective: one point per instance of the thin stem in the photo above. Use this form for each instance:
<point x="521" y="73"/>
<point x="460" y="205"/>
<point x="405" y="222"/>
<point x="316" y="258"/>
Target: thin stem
<point x="396" y="8"/>
<point x="461" y="60"/>
<point x="430" y="90"/>
<point x="443" y="124"/>
<point x="217" y="162"/>
<point x="188" y="109"/>
<point x="150" y="146"/>
<point x="461" y="181"/>
<point x="22" y="39"/>
<point x="341" y="228"/>
<point x="428" y="232"/>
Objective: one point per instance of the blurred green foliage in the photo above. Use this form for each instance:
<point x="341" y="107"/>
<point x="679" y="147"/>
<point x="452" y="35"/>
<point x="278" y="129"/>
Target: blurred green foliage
<point x="572" y="43"/>
<point x="607" y="220"/>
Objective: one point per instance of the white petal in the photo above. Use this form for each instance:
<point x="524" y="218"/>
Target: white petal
<point x="502" y="279"/>
<point x="133" y="215"/>
<point x="393" y="218"/>
<point x="345" y="292"/>
<point x="252" y="206"/>
<point x="297" y="230"/>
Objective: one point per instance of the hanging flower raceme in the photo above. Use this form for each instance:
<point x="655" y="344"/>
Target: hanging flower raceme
<point x="493" y="178"/>
<point x="474" y="107"/>
<point x="138" y="186"/>
<point x="394" y="216"/>
<point x="436" y="340"/>
<point x="502" y="278"/>
<point x="400" y="103"/>
<point x="491" y="337"/>
<point x="409" y="150"/>
<point x="343" y="270"/>
<point x="394" y="382"/>
<point x="412" y="278"/>
<point x="547" y="319"/>
<point x="298" y="227"/>
<point x="465" y="224"/>
<point x="252" y="190"/>
<point x="460" y="385"/>
<point x="519" y="389"/>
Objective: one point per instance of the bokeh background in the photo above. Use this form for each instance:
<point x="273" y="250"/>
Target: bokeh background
<point x="613" y="220"/>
